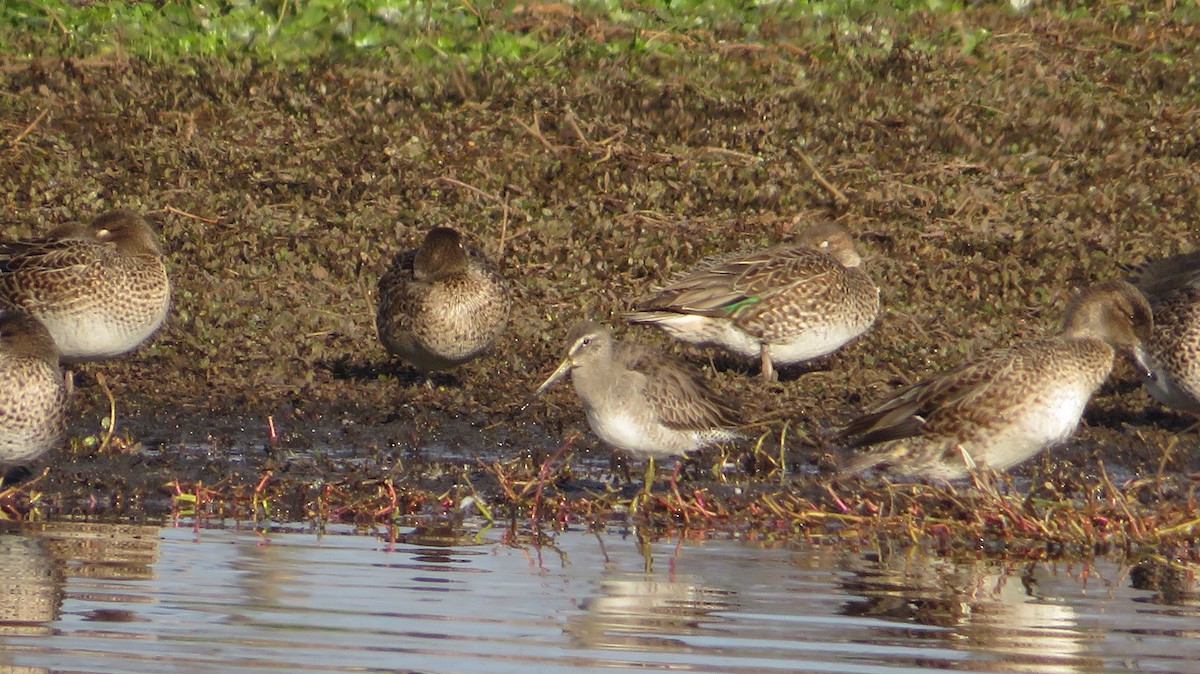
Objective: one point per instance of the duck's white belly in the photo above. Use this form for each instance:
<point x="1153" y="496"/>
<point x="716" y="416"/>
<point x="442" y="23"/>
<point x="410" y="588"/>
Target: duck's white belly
<point x="1039" y="424"/>
<point x="709" y="331"/>
<point x="815" y="342"/>
<point x="92" y="337"/>
<point x="817" y="338"/>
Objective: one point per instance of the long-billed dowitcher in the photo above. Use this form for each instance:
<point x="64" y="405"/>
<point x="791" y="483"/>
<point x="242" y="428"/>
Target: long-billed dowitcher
<point x="1172" y="285"/>
<point x="100" y="292"/>
<point x="442" y="304"/>
<point x="33" y="393"/>
<point x="642" y="401"/>
<point x="1011" y="403"/>
<point x="780" y="305"/>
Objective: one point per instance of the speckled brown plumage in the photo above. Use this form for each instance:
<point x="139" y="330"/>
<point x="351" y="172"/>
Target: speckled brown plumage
<point x="101" y="291"/>
<point x="442" y="304"/>
<point x="33" y="393"/>
<point x="1009" y="404"/>
<point x="1173" y="287"/>
<point x="781" y="305"/>
<point x="643" y="401"/>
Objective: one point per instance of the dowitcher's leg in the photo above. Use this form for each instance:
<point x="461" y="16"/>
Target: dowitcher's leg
<point x="648" y="480"/>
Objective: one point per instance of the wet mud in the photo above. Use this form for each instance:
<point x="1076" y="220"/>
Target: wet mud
<point x="985" y="185"/>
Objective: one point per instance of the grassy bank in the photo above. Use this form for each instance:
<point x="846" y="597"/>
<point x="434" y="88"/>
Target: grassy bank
<point x="471" y="33"/>
<point x="421" y="31"/>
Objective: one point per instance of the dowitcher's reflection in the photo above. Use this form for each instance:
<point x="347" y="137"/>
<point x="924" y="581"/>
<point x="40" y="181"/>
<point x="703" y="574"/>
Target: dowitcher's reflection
<point x="637" y="613"/>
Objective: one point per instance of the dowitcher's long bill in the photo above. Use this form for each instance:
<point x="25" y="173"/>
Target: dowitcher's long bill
<point x="101" y="291"/>
<point x="442" y="304"/>
<point x="1009" y="404"/>
<point x="781" y="305"/>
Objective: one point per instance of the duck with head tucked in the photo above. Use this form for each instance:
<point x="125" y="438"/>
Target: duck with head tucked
<point x="1009" y="404"/>
<point x="33" y="393"/>
<point x="442" y="304"/>
<point x="781" y="305"/>
<point x="100" y="290"/>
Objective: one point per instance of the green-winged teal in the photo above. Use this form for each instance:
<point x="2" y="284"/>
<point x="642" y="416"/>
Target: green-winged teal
<point x="1011" y="403"/>
<point x="780" y="305"/>
<point x="100" y="291"/>
<point x="642" y="401"/>
<point x="33" y="394"/>
<point x="442" y="304"/>
<point x="1172" y="285"/>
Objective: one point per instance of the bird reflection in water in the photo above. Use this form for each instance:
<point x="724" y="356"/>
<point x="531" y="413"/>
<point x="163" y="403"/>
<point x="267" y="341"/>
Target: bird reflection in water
<point x="636" y="612"/>
<point x="31" y="586"/>
<point x="1172" y="582"/>
<point x="991" y="611"/>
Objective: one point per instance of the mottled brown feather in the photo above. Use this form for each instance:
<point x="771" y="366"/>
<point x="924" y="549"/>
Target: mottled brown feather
<point x="713" y="285"/>
<point x="1158" y="279"/>
<point x="100" y="289"/>
<point x="1173" y="287"/>
<point x="441" y="304"/>
<point x="927" y="426"/>
<point x="32" y="390"/>
<point x="669" y="381"/>
<point x="781" y="305"/>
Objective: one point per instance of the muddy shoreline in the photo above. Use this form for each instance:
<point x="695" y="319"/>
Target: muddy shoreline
<point x="985" y="187"/>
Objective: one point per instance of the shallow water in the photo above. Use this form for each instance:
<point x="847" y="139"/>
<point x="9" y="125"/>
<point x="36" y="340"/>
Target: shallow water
<point x="121" y="598"/>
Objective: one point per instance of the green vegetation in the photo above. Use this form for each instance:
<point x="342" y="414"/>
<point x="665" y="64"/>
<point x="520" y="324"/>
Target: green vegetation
<point x="469" y="33"/>
<point x="431" y="30"/>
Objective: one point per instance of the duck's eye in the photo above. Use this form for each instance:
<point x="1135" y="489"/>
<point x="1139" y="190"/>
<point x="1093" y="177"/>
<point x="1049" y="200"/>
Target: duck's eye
<point x="585" y="341"/>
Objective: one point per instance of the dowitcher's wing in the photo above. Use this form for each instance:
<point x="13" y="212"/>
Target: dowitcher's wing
<point x="678" y="394"/>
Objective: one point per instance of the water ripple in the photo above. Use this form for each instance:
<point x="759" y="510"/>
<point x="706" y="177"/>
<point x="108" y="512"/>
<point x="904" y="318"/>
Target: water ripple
<point x="105" y="598"/>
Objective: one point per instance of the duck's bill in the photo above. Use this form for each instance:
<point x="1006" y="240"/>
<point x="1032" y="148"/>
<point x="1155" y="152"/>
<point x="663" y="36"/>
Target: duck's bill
<point x="1142" y="362"/>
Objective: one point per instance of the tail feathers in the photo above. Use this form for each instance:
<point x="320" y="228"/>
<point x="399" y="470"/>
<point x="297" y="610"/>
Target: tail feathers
<point x="896" y="458"/>
<point x="865" y="462"/>
<point x="648" y="316"/>
<point x="1159" y="278"/>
